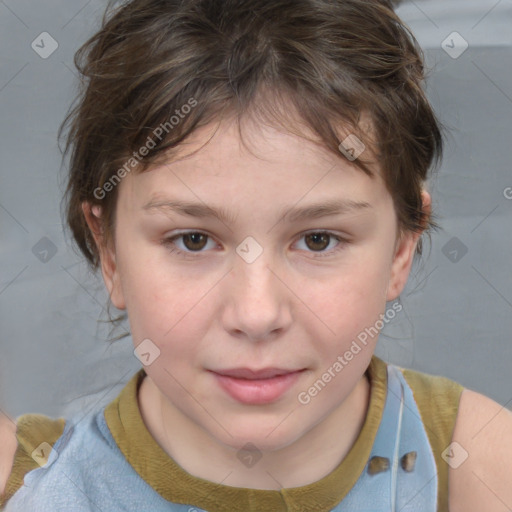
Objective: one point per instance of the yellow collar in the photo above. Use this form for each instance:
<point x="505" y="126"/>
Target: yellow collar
<point x="174" y="484"/>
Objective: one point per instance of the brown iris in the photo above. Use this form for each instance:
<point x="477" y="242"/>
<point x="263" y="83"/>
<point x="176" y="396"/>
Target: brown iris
<point x="320" y="241"/>
<point x="197" y="241"/>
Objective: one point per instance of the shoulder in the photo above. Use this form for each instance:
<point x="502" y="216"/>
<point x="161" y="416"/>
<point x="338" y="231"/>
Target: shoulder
<point x="482" y="456"/>
<point x="8" y="447"/>
<point x="27" y="447"/>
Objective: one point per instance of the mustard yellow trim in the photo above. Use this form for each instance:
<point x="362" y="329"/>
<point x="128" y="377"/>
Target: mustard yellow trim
<point x="175" y="484"/>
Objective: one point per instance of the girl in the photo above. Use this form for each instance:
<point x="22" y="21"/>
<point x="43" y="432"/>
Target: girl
<point x="249" y="176"/>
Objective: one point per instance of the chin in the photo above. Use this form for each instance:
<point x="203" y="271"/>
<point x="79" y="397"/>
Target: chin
<point x="264" y="439"/>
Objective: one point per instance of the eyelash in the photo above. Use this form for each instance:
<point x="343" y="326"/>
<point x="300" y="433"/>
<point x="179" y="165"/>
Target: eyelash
<point x="169" y="243"/>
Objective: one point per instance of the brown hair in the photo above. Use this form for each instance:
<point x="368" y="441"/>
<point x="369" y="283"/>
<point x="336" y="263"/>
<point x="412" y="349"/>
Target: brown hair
<point x="333" y="60"/>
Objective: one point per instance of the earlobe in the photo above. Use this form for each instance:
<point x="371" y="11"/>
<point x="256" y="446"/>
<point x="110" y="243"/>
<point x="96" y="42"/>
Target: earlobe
<point x="109" y="268"/>
<point x="404" y="256"/>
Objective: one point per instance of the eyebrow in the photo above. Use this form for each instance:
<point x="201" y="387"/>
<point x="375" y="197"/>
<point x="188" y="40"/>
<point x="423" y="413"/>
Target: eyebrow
<point x="290" y="214"/>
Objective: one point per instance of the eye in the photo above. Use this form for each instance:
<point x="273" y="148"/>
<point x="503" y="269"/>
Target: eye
<point x="195" y="241"/>
<point x="319" y="241"/>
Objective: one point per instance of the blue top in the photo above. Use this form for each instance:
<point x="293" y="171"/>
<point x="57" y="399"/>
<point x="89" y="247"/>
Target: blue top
<point x="86" y="471"/>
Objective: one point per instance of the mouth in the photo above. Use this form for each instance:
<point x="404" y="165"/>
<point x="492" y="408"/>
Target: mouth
<point x="256" y="387"/>
<point x="249" y="374"/>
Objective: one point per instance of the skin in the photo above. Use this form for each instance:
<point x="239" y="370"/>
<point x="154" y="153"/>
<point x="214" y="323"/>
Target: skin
<point x="290" y="308"/>
<point x="8" y="447"/>
<point x="482" y="482"/>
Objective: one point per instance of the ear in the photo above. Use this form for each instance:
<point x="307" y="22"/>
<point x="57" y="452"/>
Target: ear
<point x="109" y="269"/>
<point x="404" y="255"/>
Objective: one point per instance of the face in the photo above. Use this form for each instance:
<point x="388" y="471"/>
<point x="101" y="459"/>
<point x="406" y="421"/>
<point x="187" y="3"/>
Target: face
<point x="258" y="286"/>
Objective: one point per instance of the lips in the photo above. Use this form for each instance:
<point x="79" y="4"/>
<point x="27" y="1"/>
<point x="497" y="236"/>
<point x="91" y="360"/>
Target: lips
<point x="257" y="387"/>
<point x="247" y="373"/>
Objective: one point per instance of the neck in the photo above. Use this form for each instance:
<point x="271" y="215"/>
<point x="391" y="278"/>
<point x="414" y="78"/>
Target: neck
<point x="306" y="460"/>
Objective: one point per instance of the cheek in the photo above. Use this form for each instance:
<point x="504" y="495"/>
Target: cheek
<point x="175" y="309"/>
<point x="355" y="296"/>
<point x="171" y="311"/>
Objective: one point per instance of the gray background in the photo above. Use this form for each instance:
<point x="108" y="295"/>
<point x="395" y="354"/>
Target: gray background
<point x="457" y="312"/>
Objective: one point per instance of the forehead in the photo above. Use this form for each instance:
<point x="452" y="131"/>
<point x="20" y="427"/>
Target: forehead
<point x="253" y="163"/>
<point x="281" y="137"/>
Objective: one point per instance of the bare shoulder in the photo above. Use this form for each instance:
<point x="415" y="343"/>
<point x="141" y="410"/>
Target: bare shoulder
<point x="480" y="456"/>
<point x="8" y="445"/>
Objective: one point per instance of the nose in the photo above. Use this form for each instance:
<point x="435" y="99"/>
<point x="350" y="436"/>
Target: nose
<point x="257" y="303"/>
